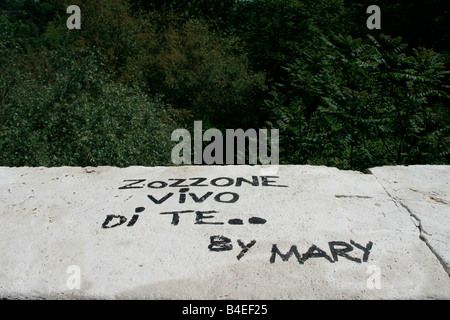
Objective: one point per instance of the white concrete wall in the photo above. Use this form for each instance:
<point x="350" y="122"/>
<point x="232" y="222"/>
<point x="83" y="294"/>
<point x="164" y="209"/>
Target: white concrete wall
<point x="91" y="233"/>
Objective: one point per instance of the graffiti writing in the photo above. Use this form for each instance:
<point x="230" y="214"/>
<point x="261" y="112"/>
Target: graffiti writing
<point x="182" y="191"/>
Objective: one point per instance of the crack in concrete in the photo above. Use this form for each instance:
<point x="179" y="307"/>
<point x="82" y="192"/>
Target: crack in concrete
<point x="351" y="196"/>
<point x="413" y="216"/>
<point x="417" y="223"/>
<point x="422" y="232"/>
<point x="440" y="200"/>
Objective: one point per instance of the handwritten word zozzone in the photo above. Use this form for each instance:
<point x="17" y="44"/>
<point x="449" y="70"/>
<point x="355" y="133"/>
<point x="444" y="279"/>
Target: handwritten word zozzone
<point x="255" y="181"/>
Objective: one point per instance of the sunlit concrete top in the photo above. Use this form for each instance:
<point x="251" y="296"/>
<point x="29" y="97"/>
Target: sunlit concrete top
<point x="225" y="232"/>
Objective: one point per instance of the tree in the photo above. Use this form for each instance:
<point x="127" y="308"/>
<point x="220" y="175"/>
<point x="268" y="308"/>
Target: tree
<point x="363" y="104"/>
<point x="198" y="71"/>
<point x="80" y="117"/>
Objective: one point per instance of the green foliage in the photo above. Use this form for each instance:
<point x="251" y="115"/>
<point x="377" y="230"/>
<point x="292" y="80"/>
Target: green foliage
<point x="420" y="23"/>
<point x="81" y="118"/>
<point x="112" y="92"/>
<point x="13" y="37"/>
<point x="365" y="104"/>
<point x="195" y="70"/>
<point x="202" y="73"/>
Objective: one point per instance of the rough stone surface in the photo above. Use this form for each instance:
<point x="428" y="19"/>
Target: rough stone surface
<point x="424" y="191"/>
<point x="351" y="235"/>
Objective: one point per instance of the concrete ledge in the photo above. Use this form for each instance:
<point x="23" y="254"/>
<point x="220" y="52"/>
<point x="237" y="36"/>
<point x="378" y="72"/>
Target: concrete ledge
<point x="231" y="232"/>
<point x="424" y="191"/>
